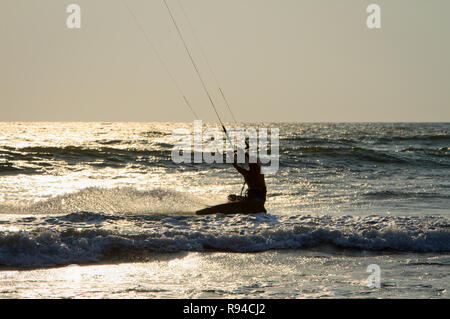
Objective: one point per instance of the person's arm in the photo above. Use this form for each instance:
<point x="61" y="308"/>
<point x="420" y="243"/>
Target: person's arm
<point x="241" y="170"/>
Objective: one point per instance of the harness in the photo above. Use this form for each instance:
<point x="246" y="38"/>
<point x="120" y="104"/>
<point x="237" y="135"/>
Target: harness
<point x="257" y="193"/>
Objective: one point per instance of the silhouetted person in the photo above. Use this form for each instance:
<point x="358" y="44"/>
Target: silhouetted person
<point x="256" y="191"/>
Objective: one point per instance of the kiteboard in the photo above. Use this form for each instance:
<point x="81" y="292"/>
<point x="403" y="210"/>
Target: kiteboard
<point x="235" y="207"/>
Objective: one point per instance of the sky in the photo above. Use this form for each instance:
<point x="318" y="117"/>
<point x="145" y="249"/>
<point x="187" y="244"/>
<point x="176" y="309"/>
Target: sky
<point x="283" y="61"/>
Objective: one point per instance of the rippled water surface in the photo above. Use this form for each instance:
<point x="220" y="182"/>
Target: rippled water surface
<point x="108" y="197"/>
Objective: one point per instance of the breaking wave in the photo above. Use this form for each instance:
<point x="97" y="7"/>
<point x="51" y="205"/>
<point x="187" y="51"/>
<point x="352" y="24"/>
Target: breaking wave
<point x="110" y="200"/>
<point x="86" y="237"/>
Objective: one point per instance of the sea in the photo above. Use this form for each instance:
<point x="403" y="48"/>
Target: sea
<point x="100" y="210"/>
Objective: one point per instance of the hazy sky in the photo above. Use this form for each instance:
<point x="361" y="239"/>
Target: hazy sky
<point x="277" y="60"/>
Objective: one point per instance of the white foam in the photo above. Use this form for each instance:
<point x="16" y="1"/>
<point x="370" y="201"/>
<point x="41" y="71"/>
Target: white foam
<point x="90" y="237"/>
<point x="110" y="200"/>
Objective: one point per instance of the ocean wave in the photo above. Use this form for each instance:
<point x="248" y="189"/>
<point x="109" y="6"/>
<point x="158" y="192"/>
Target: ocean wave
<point x="82" y="152"/>
<point x="10" y="169"/>
<point x="86" y="237"/>
<point x="110" y="200"/>
<point x="346" y="147"/>
<point x="415" y="138"/>
<point x="354" y="155"/>
<point x="388" y="194"/>
<point x="365" y="136"/>
<point x="357" y="156"/>
<point x="48" y="158"/>
<point x="439" y="151"/>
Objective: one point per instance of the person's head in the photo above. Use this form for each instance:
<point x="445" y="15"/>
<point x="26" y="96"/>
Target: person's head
<point x="254" y="167"/>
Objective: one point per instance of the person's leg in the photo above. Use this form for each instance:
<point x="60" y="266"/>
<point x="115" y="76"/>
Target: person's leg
<point x="233" y="198"/>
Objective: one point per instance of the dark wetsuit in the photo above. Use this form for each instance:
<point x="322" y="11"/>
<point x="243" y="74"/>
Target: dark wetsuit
<point x="257" y="193"/>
